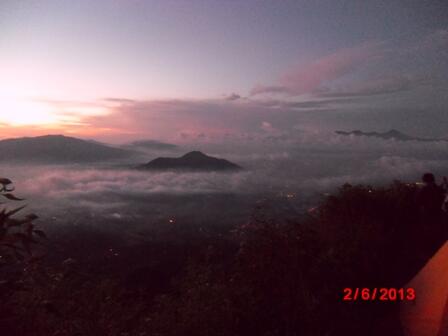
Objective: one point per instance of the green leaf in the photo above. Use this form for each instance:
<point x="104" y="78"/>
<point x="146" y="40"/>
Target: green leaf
<point x="9" y="188"/>
<point x="12" y="197"/>
<point x="40" y="233"/>
<point x="10" y="222"/>
<point x="5" y="181"/>
<point x="13" y="222"/>
<point x="13" y="212"/>
<point x="29" y="228"/>
<point x="31" y="217"/>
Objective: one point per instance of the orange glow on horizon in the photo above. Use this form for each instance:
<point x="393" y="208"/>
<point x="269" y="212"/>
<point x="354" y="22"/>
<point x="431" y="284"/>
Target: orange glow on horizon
<point x="17" y="110"/>
<point x="23" y="115"/>
<point x="20" y="113"/>
<point x="78" y="131"/>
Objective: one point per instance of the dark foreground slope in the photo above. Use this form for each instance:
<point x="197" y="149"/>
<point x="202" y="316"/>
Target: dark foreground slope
<point x="191" y="161"/>
<point x="57" y="149"/>
<point x="263" y="276"/>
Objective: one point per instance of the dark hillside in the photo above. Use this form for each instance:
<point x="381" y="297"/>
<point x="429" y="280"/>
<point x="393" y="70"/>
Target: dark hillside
<point x="57" y="149"/>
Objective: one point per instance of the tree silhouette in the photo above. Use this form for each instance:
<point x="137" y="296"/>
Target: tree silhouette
<point x="17" y="235"/>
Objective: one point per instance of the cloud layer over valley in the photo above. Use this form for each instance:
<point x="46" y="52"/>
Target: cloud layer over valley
<point x="305" y="168"/>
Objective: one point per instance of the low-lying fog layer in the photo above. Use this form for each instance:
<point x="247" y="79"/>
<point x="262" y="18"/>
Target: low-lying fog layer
<point x="295" y="174"/>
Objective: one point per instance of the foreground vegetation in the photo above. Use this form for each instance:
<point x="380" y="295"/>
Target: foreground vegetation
<point x="262" y="277"/>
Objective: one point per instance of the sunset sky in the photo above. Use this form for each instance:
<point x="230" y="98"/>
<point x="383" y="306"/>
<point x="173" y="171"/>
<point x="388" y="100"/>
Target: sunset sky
<point x="178" y="71"/>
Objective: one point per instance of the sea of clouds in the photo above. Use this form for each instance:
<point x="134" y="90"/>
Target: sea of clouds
<point x="305" y="168"/>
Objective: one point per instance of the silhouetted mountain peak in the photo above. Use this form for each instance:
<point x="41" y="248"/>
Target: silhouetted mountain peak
<point x="53" y="136"/>
<point x="58" y="149"/>
<point x="195" y="155"/>
<point x="392" y="134"/>
<point x="394" y="131"/>
<point x="194" y="160"/>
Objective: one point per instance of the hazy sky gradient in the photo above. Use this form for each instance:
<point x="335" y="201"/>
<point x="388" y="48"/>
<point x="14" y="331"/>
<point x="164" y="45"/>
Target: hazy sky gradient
<point x="224" y="68"/>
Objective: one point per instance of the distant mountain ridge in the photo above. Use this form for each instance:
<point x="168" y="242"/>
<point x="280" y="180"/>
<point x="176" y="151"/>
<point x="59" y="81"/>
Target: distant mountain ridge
<point x="392" y="134"/>
<point x="58" y="149"/>
<point x="191" y="161"/>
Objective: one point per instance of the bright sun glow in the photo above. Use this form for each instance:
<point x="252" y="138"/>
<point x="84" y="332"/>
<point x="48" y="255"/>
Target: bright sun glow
<point x="22" y="106"/>
<point x="17" y="109"/>
<point x="17" y="112"/>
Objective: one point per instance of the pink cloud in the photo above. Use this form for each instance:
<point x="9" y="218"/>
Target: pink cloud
<point x="232" y="97"/>
<point x="436" y="40"/>
<point x="260" y="89"/>
<point x="179" y="120"/>
<point x="371" y="87"/>
<point x="308" y="78"/>
<point x="171" y="120"/>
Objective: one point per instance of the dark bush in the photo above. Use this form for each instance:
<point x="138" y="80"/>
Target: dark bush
<point x="288" y="278"/>
<point x="266" y="277"/>
<point x="18" y="235"/>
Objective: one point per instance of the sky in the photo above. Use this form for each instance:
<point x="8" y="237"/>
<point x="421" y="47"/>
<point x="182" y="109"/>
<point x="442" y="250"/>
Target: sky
<point x="217" y="71"/>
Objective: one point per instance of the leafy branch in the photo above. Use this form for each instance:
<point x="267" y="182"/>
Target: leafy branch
<point x="17" y="235"/>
